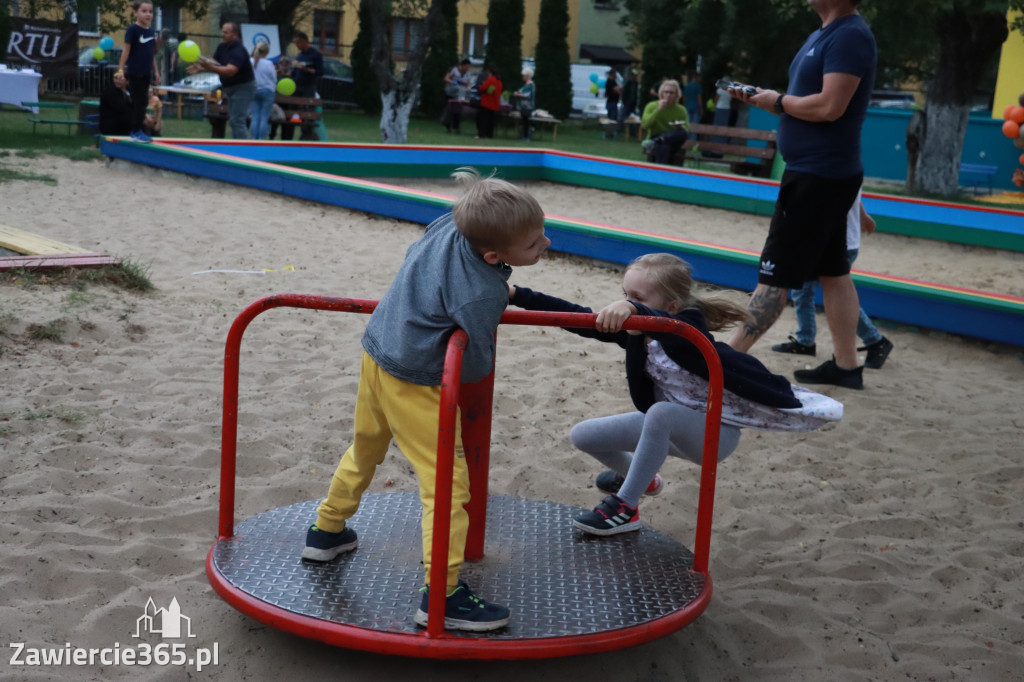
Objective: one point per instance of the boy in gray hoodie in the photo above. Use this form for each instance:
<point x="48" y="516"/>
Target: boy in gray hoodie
<point x="456" y="276"/>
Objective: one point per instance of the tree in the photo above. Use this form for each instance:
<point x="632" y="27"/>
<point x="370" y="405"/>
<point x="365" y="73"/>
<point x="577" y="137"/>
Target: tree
<point x="398" y="93"/>
<point x="946" y="44"/>
<point x="443" y="55"/>
<point x="5" y="23"/>
<point x="657" y="25"/>
<point x="956" y="42"/>
<point x="505" y="40"/>
<point x="366" y="89"/>
<point x="554" y="69"/>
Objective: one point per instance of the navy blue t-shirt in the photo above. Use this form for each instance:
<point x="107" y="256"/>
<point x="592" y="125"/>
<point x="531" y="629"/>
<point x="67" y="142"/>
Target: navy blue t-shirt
<point x="141" y="48"/>
<point x="830" y="148"/>
<point x="234" y="53"/>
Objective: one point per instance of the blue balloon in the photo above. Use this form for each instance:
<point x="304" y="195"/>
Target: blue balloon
<point x="593" y="78"/>
<point x="106" y="42"/>
<point x="602" y="82"/>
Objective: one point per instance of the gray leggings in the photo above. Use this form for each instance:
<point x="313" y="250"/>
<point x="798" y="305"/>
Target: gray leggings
<point x="635" y="445"/>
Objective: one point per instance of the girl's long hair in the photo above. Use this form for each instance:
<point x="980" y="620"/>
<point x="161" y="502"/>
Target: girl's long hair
<point x="671" y="274"/>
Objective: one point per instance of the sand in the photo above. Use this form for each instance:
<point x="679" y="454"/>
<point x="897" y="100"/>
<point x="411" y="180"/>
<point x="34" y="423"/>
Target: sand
<point x="888" y="546"/>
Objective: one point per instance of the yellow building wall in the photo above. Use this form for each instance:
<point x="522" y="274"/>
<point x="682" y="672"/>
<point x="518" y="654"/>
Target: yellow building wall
<point x="470" y="12"/>
<point x="1010" y="79"/>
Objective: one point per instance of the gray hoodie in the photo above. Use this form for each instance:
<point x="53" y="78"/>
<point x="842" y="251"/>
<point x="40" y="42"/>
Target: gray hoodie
<point x="442" y="284"/>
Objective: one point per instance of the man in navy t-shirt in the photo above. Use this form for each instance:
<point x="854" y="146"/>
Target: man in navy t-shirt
<point x="820" y="120"/>
<point x="309" y="66"/>
<point x="231" y="62"/>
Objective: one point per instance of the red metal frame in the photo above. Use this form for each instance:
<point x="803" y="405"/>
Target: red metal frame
<point x="475" y="401"/>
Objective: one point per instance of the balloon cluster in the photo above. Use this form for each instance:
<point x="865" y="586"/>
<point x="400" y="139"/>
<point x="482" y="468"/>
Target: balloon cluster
<point x="597" y="83"/>
<point x="100" y="51"/>
<point x="1013" y="128"/>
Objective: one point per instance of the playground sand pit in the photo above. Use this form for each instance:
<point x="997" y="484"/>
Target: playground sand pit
<point x="887" y="546"/>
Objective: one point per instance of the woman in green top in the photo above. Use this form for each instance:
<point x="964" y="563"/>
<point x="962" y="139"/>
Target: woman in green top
<point x="666" y="123"/>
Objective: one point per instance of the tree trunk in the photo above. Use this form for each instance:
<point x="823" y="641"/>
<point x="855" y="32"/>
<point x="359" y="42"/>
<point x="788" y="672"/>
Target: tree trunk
<point x="938" y="165"/>
<point x="394" y="120"/>
<point x="967" y="41"/>
<point x="398" y="96"/>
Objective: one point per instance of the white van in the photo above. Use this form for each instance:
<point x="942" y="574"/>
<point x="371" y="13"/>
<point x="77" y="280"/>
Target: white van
<point x="584" y="103"/>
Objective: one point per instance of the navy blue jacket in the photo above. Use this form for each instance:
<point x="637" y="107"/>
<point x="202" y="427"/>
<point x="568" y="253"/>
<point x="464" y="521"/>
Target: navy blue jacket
<point x="743" y="374"/>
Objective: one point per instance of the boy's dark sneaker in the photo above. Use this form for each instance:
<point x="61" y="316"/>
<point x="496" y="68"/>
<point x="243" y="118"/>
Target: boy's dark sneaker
<point x="794" y="347"/>
<point x="611" y="517"/>
<point x="463" y="610"/>
<point x="830" y="373"/>
<point x="877" y="353"/>
<point x="324" y="546"/>
<point x="611" y="482"/>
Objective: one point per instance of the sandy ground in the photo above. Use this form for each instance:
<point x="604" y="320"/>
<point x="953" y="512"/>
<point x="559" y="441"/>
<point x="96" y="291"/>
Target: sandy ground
<point x="889" y="546"/>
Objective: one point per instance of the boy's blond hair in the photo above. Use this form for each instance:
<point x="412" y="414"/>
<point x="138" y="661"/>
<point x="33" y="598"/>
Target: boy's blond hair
<point x="493" y="213"/>
<point x="671" y="275"/>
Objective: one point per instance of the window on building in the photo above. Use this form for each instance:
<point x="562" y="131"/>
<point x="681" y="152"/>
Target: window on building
<point x="85" y="13"/>
<point x="474" y="40"/>
<point x="326" y="31"/>
<point x="168" y="17"/>
<point x="405" y="36"/>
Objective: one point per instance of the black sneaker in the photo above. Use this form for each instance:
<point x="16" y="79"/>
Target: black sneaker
<point x="795" y="347"/>
<point x="611" y="517"/>
<point x="324" y="546"/>
<point x="830" y="373"/>
<point x="877" y="353"/>
<point x="611" y="482"/>
<point x="463" y="610"/>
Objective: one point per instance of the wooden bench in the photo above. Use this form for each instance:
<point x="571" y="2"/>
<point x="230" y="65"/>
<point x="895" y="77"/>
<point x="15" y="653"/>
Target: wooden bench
<point x="298" y="111"/>
<point x="66" y="107"/>
<point x="512" y="120"/>
<point x="734" y="151"/>
<point x="977" y="175"/>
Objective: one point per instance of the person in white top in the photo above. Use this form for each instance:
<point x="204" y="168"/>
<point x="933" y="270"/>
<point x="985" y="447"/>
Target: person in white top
<point x="266" y="89"/>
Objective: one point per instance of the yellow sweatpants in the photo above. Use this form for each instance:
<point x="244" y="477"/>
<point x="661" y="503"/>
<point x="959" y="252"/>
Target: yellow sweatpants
<point x="388" y="408"/>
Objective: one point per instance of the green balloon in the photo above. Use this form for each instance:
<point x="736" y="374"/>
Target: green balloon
<point x="286" y="87"/>
<point x="188" y="51"/>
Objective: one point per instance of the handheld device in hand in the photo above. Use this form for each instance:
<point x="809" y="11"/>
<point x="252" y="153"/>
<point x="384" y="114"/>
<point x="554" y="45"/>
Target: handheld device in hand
<point x="731" y="85"/>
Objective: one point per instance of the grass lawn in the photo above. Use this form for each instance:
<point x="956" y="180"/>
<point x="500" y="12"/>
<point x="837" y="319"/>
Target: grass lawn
<point x="577" y="136"/>
<point x="583" y="137"/>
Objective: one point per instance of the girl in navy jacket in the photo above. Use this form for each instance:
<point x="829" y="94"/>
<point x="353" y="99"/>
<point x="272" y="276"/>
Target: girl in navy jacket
<point x="667" y="379"/>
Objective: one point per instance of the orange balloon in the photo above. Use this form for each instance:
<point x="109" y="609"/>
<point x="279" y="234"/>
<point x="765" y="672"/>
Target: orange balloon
<point x="1007" y="110"/>
<point x="1021" y="159"/>
<point x="1017" y="115"/>
<point x="1011" y="129"/>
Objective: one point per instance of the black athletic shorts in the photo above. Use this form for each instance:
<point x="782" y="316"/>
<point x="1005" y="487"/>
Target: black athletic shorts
<point x="807" y="237"/>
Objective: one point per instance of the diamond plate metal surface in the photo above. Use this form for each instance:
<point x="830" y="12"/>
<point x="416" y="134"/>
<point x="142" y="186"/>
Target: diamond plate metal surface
<point x="556" y="580"/>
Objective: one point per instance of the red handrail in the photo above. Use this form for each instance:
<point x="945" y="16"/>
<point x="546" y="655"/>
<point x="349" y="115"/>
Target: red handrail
<point x="476" y="404"/>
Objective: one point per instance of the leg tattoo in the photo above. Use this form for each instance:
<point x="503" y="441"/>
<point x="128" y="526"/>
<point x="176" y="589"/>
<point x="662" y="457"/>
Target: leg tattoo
<point x="766" y="304"/>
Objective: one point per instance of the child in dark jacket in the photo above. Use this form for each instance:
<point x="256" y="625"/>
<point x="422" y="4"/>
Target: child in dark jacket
<point x="667" y="379"/>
